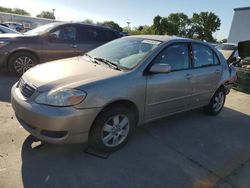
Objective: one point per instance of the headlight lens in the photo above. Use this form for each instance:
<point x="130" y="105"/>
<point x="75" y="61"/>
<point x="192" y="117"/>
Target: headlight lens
<point x="3" y="43"/>
<point x="62" y="97"/>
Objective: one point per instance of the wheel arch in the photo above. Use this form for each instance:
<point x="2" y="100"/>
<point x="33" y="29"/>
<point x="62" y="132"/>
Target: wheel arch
<point x="122" y="102"/>
<point x="20" y="51"/>
<point x="224" y="87"/>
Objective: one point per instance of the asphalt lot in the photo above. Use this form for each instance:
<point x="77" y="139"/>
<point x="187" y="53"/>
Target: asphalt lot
<point x="186" y="150"/>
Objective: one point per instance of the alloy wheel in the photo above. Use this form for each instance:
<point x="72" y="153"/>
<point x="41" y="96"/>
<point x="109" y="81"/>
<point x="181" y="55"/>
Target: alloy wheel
<point x="22" y="64"/>
<point x="218" y="101"/>
<point x="115" y="130"/>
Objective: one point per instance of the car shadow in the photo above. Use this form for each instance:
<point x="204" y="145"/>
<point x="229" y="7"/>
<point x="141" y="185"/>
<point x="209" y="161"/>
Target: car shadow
<point x="158" y="155"/>
<point x="7" y="80"/>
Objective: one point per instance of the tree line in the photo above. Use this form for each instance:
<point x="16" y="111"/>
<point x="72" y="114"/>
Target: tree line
<point x="200" y="26"/>
<point x="43" y="14"/>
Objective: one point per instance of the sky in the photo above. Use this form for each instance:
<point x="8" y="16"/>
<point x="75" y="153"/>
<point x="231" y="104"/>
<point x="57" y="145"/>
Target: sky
<point x="138" y="12"/>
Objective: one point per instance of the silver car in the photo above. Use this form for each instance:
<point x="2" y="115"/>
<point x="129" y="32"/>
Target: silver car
<point x="102" y="96"/>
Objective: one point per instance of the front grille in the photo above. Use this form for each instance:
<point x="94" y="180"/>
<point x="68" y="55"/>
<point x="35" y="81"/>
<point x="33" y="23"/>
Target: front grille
<point x="26" y="89"/>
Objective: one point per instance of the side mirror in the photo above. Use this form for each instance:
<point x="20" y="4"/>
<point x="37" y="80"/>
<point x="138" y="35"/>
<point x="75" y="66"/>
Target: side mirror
<point x="52" y="37"/>
<point x="160" y="68"/>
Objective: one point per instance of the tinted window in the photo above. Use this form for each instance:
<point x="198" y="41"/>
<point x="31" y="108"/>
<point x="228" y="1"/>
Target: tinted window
<point x="65" y="34"/>
<point x="202" y="56"/>
<point x="1" y="31"/>
<point x="176" y="56"/>
<point x="89" y="34"/>
<point x="109" y="35"/>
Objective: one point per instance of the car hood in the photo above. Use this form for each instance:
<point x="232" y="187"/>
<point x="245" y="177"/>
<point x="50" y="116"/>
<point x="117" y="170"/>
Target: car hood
<point x="10" y="35"/>
<point x="244" y="49"/>
<point x="67" y="73"/>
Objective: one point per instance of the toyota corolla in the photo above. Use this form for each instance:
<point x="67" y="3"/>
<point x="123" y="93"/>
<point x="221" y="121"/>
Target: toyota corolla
<point x="102" y="96"/>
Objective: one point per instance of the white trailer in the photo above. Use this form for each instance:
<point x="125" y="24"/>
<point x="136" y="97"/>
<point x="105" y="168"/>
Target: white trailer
<point x="240" y="28"/>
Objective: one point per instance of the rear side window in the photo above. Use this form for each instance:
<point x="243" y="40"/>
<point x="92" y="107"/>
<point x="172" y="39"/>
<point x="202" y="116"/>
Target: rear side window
<point x="203" y="56"/>
<point x="177" y="56"/>
<point x="89" y="34"/>
<point x="109" y="35"/>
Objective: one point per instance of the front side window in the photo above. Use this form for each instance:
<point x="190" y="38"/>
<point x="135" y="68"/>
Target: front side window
<point x="125" y="52"/>
<point x="176" y="56"/>
<point x="65" y="34"/>
<point x="203" y="56"/>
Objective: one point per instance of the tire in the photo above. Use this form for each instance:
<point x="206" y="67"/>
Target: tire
<point x="110" y="131"/>
<point x="216" y="104"/>
<point x="20" y="62"/>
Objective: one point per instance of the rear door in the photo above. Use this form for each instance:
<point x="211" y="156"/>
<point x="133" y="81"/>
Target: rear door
<point x="169" y="93"/>
<point x="60" y="43"/>
<point x="91" y="37"/>
<point x="206" y="73"/>
<point x="88" y="38"/>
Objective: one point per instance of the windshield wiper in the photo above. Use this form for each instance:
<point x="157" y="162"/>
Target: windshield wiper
<point x="92" y="59"/>
<point x="109" y="63"/>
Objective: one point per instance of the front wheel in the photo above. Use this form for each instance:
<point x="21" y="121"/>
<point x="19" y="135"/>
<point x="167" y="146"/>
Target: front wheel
<point x="216" y="104"/>
<point x="111" y="129"/>
<point x="20" y="62"/>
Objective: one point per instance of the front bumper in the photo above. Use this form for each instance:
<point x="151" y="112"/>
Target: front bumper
<point x="57" y="125"/>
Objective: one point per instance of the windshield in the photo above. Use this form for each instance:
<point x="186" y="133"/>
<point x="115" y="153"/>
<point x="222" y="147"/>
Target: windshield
<point x="42" y="29"/>
<point x="7" y="30"/>
<point x="226" y="47"/>
<point x="125" y="52"/>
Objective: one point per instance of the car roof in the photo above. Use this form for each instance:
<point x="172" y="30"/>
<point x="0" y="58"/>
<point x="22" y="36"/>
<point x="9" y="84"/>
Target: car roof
<point x="165" y="38"/>
<point x="84" y="24"/>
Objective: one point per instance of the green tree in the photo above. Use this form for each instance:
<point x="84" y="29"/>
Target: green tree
<point x="21" y="12"/>
<point x="112" y="25"/>
<point x="174" y="24"/>
<point x="46" y="14"/>
<point x="204" y="25"/>
<point x="157" y="25"/>
<point x="88" y="21"/>
<point x="177" y="24"/>
<point x="223" y="41"/>
<point x="14" y="11"/>
<point x="141" y="30"/>
<point x="7" y="10"/>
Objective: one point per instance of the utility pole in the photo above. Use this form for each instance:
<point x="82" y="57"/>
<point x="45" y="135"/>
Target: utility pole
<point x="128" y="24"/>
<point x="54" y="13"/>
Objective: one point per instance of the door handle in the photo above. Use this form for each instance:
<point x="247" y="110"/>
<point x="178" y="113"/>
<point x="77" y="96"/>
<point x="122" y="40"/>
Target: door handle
<point x="73" y="45"/>
<point x="188" y="76"/>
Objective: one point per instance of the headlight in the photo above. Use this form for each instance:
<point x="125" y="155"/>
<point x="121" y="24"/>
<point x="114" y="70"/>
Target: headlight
<point x="63" y="97"/>
<point x="3" y="43"/>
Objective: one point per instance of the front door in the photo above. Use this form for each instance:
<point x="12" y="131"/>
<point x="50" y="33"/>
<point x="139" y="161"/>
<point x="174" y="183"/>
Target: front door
<point x="168" y="93"/>
<point x="60" y="43"/>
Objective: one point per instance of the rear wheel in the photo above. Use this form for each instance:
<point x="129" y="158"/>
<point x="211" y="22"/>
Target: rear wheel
<point x="216" y="104"/>
<point x="20" y="62"/>
<point x="111" y="129"/>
